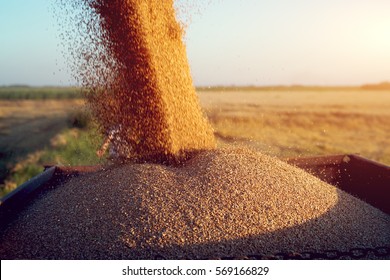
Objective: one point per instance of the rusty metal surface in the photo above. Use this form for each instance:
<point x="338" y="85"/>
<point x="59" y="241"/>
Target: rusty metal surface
<point x="363" y="178"/>
<point x="326" y="168"/>
<point x="368" y="180"/>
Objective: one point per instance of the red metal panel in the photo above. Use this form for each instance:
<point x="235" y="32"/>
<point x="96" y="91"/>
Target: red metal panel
<point x="363" y="178"/>
<point x="368" y="180"/>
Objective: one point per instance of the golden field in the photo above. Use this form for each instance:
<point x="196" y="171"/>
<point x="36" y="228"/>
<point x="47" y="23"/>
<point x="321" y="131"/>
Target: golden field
<point x="301" y="122"/>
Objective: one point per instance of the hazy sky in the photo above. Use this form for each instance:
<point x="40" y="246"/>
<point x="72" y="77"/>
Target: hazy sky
<point x="231" y="42"/>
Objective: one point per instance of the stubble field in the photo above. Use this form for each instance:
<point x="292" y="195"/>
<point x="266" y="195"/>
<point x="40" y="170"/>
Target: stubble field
<point x="303" y="122"/>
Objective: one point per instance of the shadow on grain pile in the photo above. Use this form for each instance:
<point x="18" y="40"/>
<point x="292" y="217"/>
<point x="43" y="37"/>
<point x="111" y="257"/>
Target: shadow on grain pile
<point x="227" y="202"/>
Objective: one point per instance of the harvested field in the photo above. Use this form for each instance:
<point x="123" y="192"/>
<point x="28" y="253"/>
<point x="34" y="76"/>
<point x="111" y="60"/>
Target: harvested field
<point x="302" y="122"/>
<point x="229" y="202"/>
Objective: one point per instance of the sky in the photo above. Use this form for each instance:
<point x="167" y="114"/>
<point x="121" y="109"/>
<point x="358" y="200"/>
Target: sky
<point x="229" y="42"/>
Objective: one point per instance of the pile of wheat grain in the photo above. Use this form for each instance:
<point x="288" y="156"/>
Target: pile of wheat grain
<point x="230" y="202"/>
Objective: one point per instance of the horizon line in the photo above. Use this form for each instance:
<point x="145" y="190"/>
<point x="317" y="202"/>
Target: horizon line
<point x="385" y="84"/>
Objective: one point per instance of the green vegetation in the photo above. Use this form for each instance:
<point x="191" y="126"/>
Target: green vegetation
<point x="21" y="175"/>
<point x="74" y="146"/>
<point x="79" y="118"/>
<point x="19" y="92"/>
<point x="38" y="93"/>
